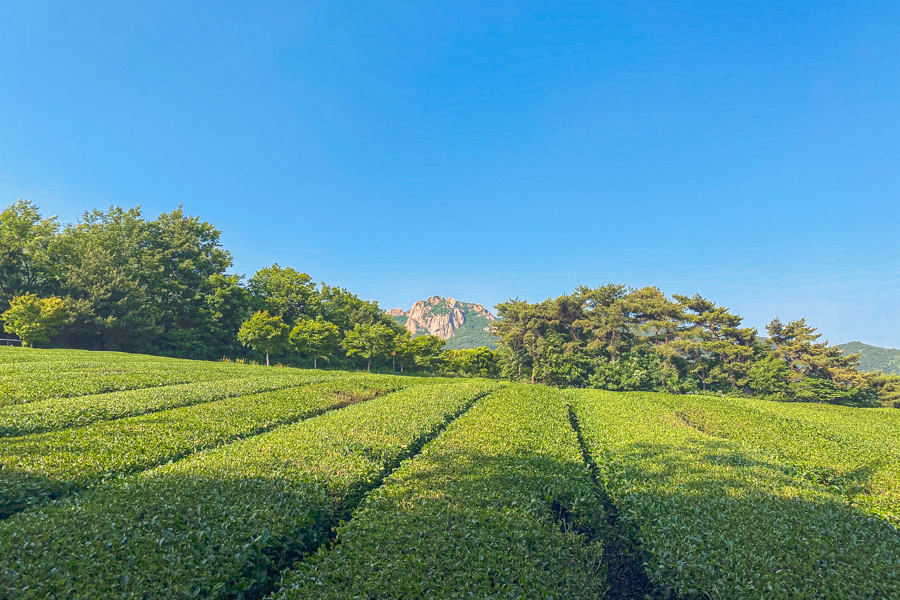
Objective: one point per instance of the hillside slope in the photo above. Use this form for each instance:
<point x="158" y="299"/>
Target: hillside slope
<point x="462" y="324"/>
<point x="873" y="358"/>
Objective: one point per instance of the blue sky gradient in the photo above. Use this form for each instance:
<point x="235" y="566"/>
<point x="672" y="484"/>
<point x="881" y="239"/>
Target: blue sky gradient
<point x="749" y="152"/>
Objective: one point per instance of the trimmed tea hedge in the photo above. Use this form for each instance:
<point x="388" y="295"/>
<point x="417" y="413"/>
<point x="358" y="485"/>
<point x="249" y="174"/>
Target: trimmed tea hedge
<point x="50" y="415"/>
<point x="41" y="381"/>
<point x="221" y="522"/>
<point x="35" y="467"/>
<point x="500" y="505"/>
<point x="19" y="355"/>
<point x="715" y="520"/>
<point x="44" y="374"/>
<point x="854" y="451"/>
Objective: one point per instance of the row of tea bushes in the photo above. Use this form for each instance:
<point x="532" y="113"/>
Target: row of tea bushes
<point x="63" y="413"/>
<point x="716" y="520"/>
<point x="49" y="374"/>
<point x="118" y="363"/>
<point x="854" y="451"/>
<point x="48" y="465"/>
<point x="869" y="436"/>
<point x="34" y="383"/>
<point x="500" y="505"/>
<point x="20" y="355"/>
<point x="221" y="523"/>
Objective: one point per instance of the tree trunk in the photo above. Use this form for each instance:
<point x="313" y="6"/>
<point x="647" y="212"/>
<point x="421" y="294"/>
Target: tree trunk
<point x="314" y="363"/>
<point x="369" y="366"/>
<point x="267" y="359"/>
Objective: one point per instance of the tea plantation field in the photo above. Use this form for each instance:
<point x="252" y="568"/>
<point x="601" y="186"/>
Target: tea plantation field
<point x="126" y="476"/>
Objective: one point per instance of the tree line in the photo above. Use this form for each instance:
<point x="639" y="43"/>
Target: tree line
<point x="116" y="280"/>
<point x="119" y="281"/>
<point x="616" y="338"/>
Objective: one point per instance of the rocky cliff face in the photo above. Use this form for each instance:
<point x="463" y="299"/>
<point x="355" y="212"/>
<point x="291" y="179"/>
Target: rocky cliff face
<point x="446" y="318"/>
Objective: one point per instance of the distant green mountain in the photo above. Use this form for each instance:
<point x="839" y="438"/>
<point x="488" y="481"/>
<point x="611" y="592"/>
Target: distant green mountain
<point x="873" y="358"/>
<point x="463" y="324"/>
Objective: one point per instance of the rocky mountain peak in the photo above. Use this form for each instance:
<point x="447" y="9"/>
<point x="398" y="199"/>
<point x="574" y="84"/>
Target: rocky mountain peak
<point x="446" y="318"/>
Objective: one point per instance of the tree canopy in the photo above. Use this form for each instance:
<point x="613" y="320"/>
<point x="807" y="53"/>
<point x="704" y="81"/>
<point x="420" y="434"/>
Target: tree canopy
<point x="284" y="292"/>
<point x="263" y="332"/>
<point x="423" y="351"/>
<point x="369" y="341"/>
<point x="315" y="337"/>
<point x="158" y="286"/>
<point x="116" y="280"/>
<point x="35" y="319"/>
<point x="616" y="338"/>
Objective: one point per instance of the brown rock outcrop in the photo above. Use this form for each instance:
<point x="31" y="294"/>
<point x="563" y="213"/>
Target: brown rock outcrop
<point x="439" y="316"/>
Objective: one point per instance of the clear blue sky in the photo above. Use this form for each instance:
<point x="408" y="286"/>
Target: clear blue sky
<point x="746" y="151"/>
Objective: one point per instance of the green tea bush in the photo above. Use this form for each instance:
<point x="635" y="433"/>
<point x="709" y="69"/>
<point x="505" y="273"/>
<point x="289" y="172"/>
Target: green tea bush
<point x="18" y="354"/>
<point x="501" y="505"/>
<point x="37" y="382"/>
<point x="45" y="374"/>
<point x="222" y="522"/>
<point x="38" y="466"/>
<point x="715" y="519"/>
<point x="851" y="450"/>
<point x="50" y="415"/>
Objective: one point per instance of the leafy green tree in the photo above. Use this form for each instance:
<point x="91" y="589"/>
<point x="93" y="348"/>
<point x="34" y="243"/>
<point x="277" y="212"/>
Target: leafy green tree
<point x="28" y="263"/>
<point x="263" y="332"/>
<point x="770" y="376"/>
<point x="104" y="277"/>
<point x="404" y="351"/>
<point x="723" y="351"/>
<point x="185" y="254"/>
<point x="627" y="372"/>
<point x="315" y="337"/>
<point x="227" y="304"/>
<point x="521" y="328"/>
<point x="35" y="320"/>
<point x="796" y="343"/>
<point x="108" y="305"/>
<point x="565" y="315"/>
<point x="885" y="388"/>
<point x="819" y="372"/>
<point x="422" y="351"/>
<point x="477" y="362"/>
<point x="428" y="352"/>
<point x="655" y="317"/>
<point x="144" y="286"/>
<point x="369" y="341"/>
<point x="347" y="310"/>
<point x="284" y="292"/>
<point x="606" y="318"/>
<point x="511" y="329"/>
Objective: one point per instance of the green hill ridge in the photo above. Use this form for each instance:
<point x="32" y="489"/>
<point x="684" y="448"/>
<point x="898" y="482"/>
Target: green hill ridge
<point x="874" y="358"/>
